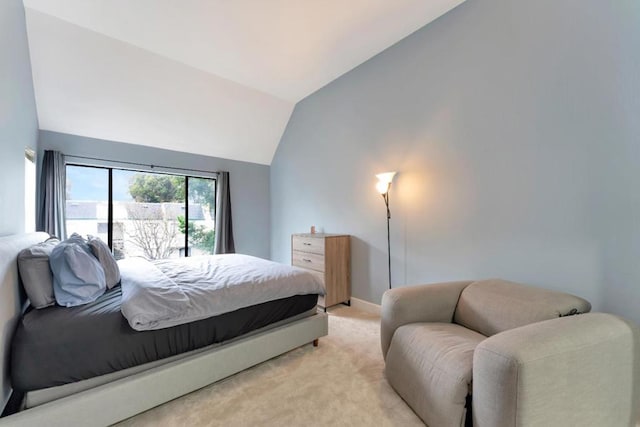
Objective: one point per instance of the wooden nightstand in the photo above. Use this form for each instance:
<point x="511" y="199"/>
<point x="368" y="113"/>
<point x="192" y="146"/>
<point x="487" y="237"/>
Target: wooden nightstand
<point x="328" y="257"/>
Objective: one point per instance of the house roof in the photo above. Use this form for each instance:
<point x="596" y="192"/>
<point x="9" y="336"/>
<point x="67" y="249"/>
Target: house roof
<point x="81" y="210"/>
<point x="211" y="77"/>
<point x="92" y="210"/>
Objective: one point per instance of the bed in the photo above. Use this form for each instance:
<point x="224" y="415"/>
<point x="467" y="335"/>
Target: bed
<point x="149" y="375"/>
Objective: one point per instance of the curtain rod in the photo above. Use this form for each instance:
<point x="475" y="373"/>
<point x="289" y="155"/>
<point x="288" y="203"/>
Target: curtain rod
<point x="141" y="164"/>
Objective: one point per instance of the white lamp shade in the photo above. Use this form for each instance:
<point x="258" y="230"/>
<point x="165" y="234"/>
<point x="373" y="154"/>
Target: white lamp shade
<point x="382" y="187"/>
<point x="386" y="177"/>
<point x="384" y="181"/>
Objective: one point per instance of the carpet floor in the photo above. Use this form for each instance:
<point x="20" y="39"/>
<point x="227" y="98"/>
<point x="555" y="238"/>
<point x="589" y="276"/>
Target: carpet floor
<point x="339" y="383"/>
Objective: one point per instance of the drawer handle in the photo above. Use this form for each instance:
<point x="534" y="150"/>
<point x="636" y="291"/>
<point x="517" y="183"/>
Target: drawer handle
<point x="306" y="260"/>
<point x="306" y="244"/>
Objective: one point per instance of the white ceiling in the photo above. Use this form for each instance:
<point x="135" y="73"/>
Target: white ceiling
<point x="213" y="77"/>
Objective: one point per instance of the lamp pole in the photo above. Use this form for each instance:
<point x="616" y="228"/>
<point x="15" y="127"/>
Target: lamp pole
<point x="383" y="186"/>
<point x="385" y="196"/>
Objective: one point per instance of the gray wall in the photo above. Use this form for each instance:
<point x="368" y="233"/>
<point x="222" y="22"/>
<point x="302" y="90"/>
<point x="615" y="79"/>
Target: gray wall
<point x="249" y="181"/>
<point x="18" y="119"/>
<point x="514" y="128"/>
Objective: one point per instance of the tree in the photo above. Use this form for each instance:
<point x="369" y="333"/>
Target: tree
<point x="199" y="235"/>
<point x="154" y="228"/>
<point x="203" y="191"/>
<point x="152" y="233"/>
<point x="156" y="188"/>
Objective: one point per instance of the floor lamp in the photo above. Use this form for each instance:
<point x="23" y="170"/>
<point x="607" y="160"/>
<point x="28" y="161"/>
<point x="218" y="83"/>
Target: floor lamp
<point x="383" y="186"/>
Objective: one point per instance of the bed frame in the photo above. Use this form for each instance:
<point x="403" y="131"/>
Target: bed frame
<point x="124" y="397"/>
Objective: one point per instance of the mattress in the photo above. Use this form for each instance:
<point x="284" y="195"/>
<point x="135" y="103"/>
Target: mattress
<point x="58" y="345"/>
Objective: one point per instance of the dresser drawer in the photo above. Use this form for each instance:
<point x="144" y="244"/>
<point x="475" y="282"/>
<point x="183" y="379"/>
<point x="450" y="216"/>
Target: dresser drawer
<point x="308" y="244"/>
<point x="307" y="260"/>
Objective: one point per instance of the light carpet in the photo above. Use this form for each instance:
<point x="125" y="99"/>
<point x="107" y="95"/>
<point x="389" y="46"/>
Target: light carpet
<point x="339" y="383"/>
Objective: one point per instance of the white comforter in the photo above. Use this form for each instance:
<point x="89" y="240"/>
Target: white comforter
<point x="166" y="293"/>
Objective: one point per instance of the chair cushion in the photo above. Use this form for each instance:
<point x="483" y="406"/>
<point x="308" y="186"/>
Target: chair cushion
<point x="430" y="366"/>
<point x="493" y="306"/>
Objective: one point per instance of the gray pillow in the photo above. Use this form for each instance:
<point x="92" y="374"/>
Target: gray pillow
<point x="101" y="251"/>
<point x="78" y="277"/>
<point x="37" y="279"/>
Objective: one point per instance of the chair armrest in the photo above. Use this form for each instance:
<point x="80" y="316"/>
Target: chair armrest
<point x="422" y="303"/>
<point x="578" y="370"/>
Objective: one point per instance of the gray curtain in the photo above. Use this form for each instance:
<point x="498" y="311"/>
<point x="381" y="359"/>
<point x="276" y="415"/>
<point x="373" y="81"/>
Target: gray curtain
<point x="224" y="230"/>
<point x="53" y="186"/>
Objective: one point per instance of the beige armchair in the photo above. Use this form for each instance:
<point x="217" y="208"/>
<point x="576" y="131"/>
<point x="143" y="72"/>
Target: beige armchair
<point x="495" y="353"/>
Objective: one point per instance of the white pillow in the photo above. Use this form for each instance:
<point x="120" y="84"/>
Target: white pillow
<point x="101" y="251"/>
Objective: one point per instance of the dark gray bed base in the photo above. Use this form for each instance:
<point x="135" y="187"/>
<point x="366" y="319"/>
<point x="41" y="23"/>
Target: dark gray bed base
<point x="55" y="346"/>
<point x="42" y="396"/>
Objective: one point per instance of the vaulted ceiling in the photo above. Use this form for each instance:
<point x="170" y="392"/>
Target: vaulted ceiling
<point x="212" y="77"/>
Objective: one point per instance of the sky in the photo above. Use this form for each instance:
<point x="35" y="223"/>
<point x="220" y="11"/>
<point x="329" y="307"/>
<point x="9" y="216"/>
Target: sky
<point x="86" y="183"/>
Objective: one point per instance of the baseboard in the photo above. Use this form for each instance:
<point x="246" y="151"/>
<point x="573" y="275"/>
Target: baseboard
<point x="366" y="306"/>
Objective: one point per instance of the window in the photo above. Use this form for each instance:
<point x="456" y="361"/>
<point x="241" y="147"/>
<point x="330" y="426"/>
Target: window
<point x="29" y="190"/>
<point x="154" y="215"/>
<point x="87" y="203"/>
<point x="201" y="199"/>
